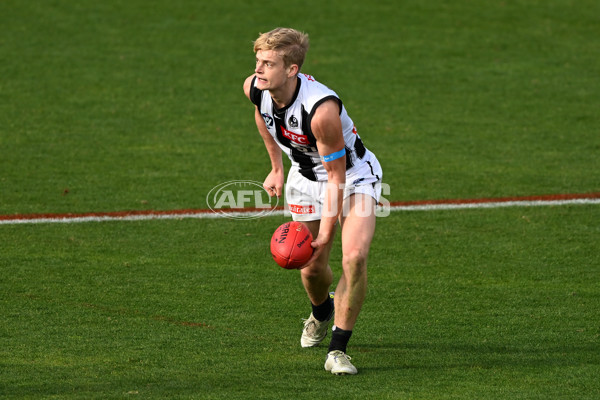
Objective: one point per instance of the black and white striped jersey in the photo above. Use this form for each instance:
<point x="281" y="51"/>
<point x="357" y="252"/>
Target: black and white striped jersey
<point x="290" y="126"/>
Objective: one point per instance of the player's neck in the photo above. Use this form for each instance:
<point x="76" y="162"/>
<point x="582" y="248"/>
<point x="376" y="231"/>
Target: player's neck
<point x="283" y="96"/>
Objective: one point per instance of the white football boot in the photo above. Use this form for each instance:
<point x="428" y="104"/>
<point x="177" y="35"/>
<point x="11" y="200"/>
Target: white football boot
<point x="314" y="331"/>
<point x="338" y="363"/>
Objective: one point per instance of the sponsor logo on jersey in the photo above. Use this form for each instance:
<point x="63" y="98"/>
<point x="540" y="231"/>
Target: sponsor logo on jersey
<point x="295" y="137"/>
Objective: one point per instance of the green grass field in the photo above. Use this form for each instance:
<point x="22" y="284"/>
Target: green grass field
<point x="116" y="106"/>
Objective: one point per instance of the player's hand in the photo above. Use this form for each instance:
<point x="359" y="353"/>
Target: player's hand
<point x="318" y="245"/>
<point x="273" y="183"/>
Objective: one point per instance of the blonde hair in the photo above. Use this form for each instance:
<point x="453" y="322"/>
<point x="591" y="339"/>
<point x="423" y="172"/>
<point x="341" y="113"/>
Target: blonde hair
<point x="290" y="43"/>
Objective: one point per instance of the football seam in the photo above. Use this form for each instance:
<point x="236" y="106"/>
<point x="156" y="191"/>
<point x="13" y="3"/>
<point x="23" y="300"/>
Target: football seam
<point x="292" y="246"/>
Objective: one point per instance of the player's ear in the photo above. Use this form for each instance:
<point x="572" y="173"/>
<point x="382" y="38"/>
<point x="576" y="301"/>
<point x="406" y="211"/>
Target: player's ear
<point x="293" y="70"/>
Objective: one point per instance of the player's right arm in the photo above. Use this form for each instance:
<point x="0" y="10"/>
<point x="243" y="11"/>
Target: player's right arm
<point x="273" y="183"/>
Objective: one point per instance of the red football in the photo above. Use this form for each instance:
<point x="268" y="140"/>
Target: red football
<point x="290" y="245"/>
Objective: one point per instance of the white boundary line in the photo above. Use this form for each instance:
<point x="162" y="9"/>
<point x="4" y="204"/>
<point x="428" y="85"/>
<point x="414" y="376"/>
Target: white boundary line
<point x="248" y="215"/>
<point x="494" y="204"/>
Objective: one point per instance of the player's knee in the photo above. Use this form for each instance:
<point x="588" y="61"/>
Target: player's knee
<point x="314" y="271"/>
<point x="355" y="261"/>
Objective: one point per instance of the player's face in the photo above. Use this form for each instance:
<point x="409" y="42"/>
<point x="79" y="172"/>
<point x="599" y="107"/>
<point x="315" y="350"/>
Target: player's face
<point x="270" y="70"/>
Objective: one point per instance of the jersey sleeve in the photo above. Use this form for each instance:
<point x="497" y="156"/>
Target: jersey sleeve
<point x="324" y="99"/>
<point x="255" y="93"/>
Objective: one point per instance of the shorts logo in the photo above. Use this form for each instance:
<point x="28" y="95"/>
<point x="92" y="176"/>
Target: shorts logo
<point x="268" y="119"/>
<point x="298" y="209"/>
<point x="295" y="137"/>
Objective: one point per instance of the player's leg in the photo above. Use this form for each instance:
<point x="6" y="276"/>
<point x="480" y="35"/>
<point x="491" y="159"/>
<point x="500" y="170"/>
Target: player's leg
<point x="358" y="228"/>
<point x="304" y="199"/>
<point x="317" y="279"/>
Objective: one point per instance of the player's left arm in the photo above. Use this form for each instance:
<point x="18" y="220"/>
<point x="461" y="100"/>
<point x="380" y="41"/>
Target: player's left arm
<point x="326" y="126"/>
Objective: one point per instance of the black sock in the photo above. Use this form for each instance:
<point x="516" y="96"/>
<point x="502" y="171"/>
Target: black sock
<point x="323" y="311"/>
<point x="339" y="339"/>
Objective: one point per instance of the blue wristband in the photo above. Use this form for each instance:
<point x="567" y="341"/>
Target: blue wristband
<point x="334" y="156"/>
